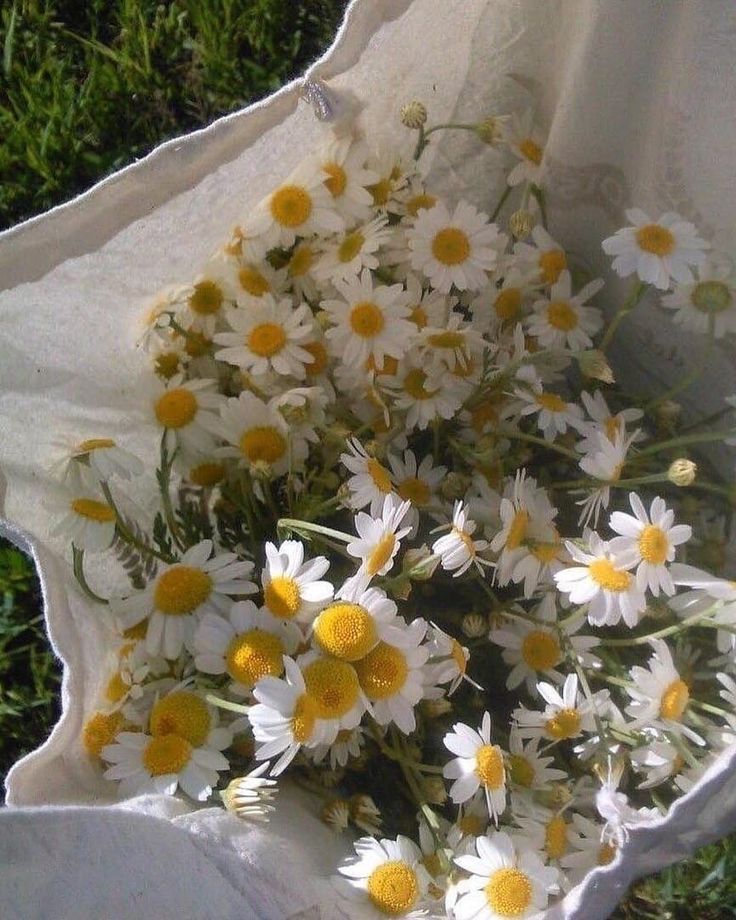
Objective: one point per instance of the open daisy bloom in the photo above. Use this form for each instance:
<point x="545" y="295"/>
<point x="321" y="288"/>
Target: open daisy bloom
<point x="242" y="616"/>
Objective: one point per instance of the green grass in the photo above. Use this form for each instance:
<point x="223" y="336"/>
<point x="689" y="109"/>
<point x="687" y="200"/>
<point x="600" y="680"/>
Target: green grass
<point x="87" y="88"/>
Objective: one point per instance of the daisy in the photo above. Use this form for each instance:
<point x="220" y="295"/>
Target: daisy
<point x="529" y="772"/>
<point x="566" y="715"/>
<point x="554" y="414"/>
<point x="391" y="676"/>
<point x="386" y="878"/>
<point x="454" y="249"/>
<point x="304" y="256"/>
<point x="104" y="457"/>
<point x="548" y="832"/>
<point x="268" y="337"/>
<point x="204" y="302"/>
<point x="453" y="344"/>
<point x="587" y="848"/>
<point x="393" y="176"/>
<point x="425" y="394"/>
<point x="705" y="303"/>
<point x="602" y="582"/>
<point x="355" y="250"/>
<point x="285" y="718"/>
<point x="531" y="650"/>
<point x="648" y="541"/>
<point x="527" y="143"/>
<point x="347" y="745"/>
<point x="349" y="629"/>
<point x="659" y="252"/>
<point x="86" y="517"/>
<point x="184" y="713"/>
<point x="478" y="764"/>
<point x="343" y="163"/>
<point x="181" y="591"/>
<point x="457" y="549"/>
<point x="605" y="423"/>
<point x="448" y="663"/>
<point x="546" y="258"/>
<point x="368" y="322"/>
<point x="658" y="761"/>
<point x="259" y="435"/>
<point x="427" y="307"/>
<point x="334" y="686"/>
<point x="500" y="307"/>
<point x="379" y="539"/>
<point x="247" y="645"/>
<point x="503" y="882"/>
<point x="162" y="763"/>
<point x="370" y="483"/>
<point x="186" y="411"/>
<point x="292" y="588"/>
<point x="563" y="321"/>
<point x="604" y="460"/>
<point x="250" y="797"/>
<point x="416" y="483"/>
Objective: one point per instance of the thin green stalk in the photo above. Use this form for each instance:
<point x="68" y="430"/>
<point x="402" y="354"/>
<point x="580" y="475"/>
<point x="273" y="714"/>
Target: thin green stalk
<point x="126" y="534"/>
<point x="78" y="565"/>
<point x="695" y="620"/>
<point x="501" y="202"/>
<point x="533" y="439"/>
<point x="538" y="193"/>
<point x="164" y="479"/>
<point x="635" y="295"/>
<point x="698" y="437"/>
<point x="299" y="526"/>
<point x="226" y="704"/>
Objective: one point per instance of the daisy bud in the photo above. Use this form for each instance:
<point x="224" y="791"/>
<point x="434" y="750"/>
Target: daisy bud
<point x="474" y="625"/>
<point x="323" y="319"/>
<point x="343" y="494"/>
<point x="668" y="412"/>
<point x="454" y="486"/>
<point x="490" y="131"/>
<point x="682" y="472"/>
<point x="521" y="224"/>
<point x="250" y="797"/>
<point x="434" y="790"/>
<point x="594" y="364"/>
<point x="365" y="814"/>
<point x="435" y="709"/>
<point x="336" y="815"/>
<point x="375" y="449"/>
<point x="413" y="115"/>
<point x="331" y="778"/>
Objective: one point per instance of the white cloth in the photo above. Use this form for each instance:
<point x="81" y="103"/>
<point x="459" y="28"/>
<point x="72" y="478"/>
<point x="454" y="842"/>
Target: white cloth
<point x="638" y="98"/>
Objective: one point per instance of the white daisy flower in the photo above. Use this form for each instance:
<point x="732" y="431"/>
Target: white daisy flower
<point x="602" y="582"/>
<point x="587" y="849"/>
<point x="186" y="411"/>
<point x="710" y="300"/>
<point x="604" y="460"/>
<point x="448" y="663"/>
<point x="104" y="458"/>
<point x="503" y="882"/>
<point x="250" y="797"/>
<point x="454" y="343"/>
<point x="454" y="249"/>
<point x="605" y="423"/>
<point x="457" y="549"/>
<point x="183" y="712"/>
<point x="478" y="764"/>
<point x="86" y="518"/>
<point x="299" y="269"/>
<point x="292" y="588"/>
<point x="386" y="878"/>
<point x="348" y="629"/>
<point x="554" y="414"/>
<point x="347" y="255"/>
<point x="546" y="259"/>
<point x="529" y="772"/>
<point x="259" y="435"/>
<point x="416" y="483"/>
<point x="343" y="163"/>
<point x="500" y="308"/>
<point x="204" y="302"/>
<point x="563" y="321"/>
<point x="247" y="645"/>
<point x="527" y="143"/>
<point x="427" y="307"/>
<point x="334" y="686"/>
<point x="391" y="675"/>
<point x="379" y="540"/>
<point x="425" y="394"/>
<point x="347" y="746"/>
<point x="473" y="820"/>
<point x="550" y="833"/>
<point x="368" y="322"/>
<point x="268" y="337"/>
<point x="658" y="760"/>
<point x="658" y="251"/>
<point x="648" y="541"/>
<point x="370" y="483"/>
<point x="160" y="764"/>
<point x="566" y="715"/>
<point x="393" y="171"/>
<point x="181" y="591"/>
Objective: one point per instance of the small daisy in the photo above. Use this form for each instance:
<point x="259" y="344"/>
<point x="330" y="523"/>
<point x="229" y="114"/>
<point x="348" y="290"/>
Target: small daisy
<point x="428" y="307"/>
<point x="503" y="882"/>
<point x="529" y="772"/>
<point x="334" y="686"/>
<point x="347" y="255"/>
<point x="546" y="258"/>
<point x="708" y="301"/>
<point x="182" y="591"/>
<point x="204" y="303"/>
<point x="416" y="483"/>
<point x="393" y="173"/>
<point x="658" y="760"/>
<point x="605" y="422"/>
<point x="527" y="143"/>
<point x="659" y="252"/>
<point x="292" y="588"/>
<point x="602" y="582"/>
<point x="343" y="163"/>
<point x="386" y="878"/>
<point x="161" y="763"/>
<point x="248" y="645"/>
<point x="183" y="712"/>
<point x="448" y="662"/>
<point x="457" y="549"/>
<point x="368" y="322"/>
<point x="563" y="321"/>
<point x="453" y="345"/>
<point x="531" y="650"/>
<point x="370" y="483"/>
<point x="648" y="541"/>
<point x="347" y="745"/>
<point x="86" y="517"/>
<point x="478" y="764"/>
<point x="186" y="411"/>
<point x="554" y="414"/>
<point x="547" y="832"/>
<point x="379" y="540"/>
<point x="349" y="629"/>
<point x="268" y="337"/>
<point x="454" y="249"/>
<point x="604" y="460"/>
<point x="259" y="435"/>
<point x="498" y="308"/>
<point x="566" y="715"/>
<point x="588" y="848"/>
<point x="250" y="797"/>
<point x="105" y="458"/>
<point x="425" y="394"/>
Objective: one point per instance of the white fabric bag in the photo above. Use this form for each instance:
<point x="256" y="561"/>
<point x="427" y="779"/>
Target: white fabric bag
<point x="638" y="98"/>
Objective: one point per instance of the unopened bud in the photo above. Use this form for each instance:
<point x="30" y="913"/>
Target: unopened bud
<point x="490" y="131"/>
<point x="365" y="814"/>
<point x="413" y="115"/>
<point x="435" y="709"/>
<point x="474" y="625"/>
<point x="323" y="319"/>
<point x="336" y="814"/>
<point x="521" y="224"/>
<point x="682" y="472"/>
<point x="434" y="790"/>
<point x="454" y="486"/>
<point x="594" y="364"/>
<point x="668" y="412"/>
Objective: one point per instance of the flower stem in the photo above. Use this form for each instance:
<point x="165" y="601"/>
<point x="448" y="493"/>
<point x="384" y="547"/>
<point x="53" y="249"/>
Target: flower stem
<point x="694" y="620"/>
<point x="125" y="533"/>
<point x="697" y="437"/>
<point x="78" y="557"/>
<point x="501" y="202"/>
<point x="309" y="527"/>
<point x="164" y="482"/>
<point x="635" y="295"/>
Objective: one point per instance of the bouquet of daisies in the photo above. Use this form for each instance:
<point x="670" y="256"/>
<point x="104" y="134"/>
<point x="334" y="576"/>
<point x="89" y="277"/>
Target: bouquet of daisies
<point x="415" y="549"/>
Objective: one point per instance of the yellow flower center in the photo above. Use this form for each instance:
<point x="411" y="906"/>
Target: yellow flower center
<point x="517" y="530"/>
<point x="508" y="304"/>
<point x="379" y="474"/>
<point x="301" y="261"/>
<point x="100" y="512"/>
<point x="393" y="888"/>
<point x="206" y="474"/>
<point x="451" y="246"/>
<point x="181" y="713"/>
<point x="555" y="837"/>
<point x="138" y="631"/>
<point x="100" y="730"/>
<point x="176" y="408"/>
<point x="546" y="552"/>
<point x="366" y="319"/>
<point x="253" y="655"/>
<point x="381" y="554"/>
<point x="415" y="491"/>
<point x="674" y="701"/>
<point x="540" y="650"/>
<point x="471" y="825"/>
<point x="197" y="344"/>
<point x="181" y="589"/>
<point x="655" y="239"/>
<point x="318" y="351"/>
<point x="447" y="339"/>
<point x="281" y="596"/>
<point x="531" y="151"/>
<point x="264" y="444"/>
<point x="711" y="296"/>
<point x="291" y="206"/>
<point x="552" y="264"/>
<point x="565" y="724"/>
<point x="458" y="656"/>
<point x="653" y="544"/>
<point x="381" y="191"/>
<point x="206" y="298"/>
<point x="346" y="631"/>
<point x="613" y="426"/>
<point x="336" y="180"/>
<point x="382" y="672"/>
<point x="419" y="317"/>
<point x="303" y="718"/>
<point x="606" y="853"/>
<point x="166" y="365"/>
<point x="605" y="574"/>
<point x="552" y="402"/>
<point x="91" y="444"/>
<point x="509" y="892"/>
<point x="489" y="766"/>
<point x="485" y="414"/>
<point x="521" y="770"/>
<point x="414" y="385"/>
<point x="415" y="204"/>
<point x="166" y="754"/>
<point x="266" y="339"/>
<point x="253" y="282"/>
<point x="350" y="246"/>
<point x="116" y="688"/>
<point x="562" y="316"/>
<point x="333" y="685"/>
